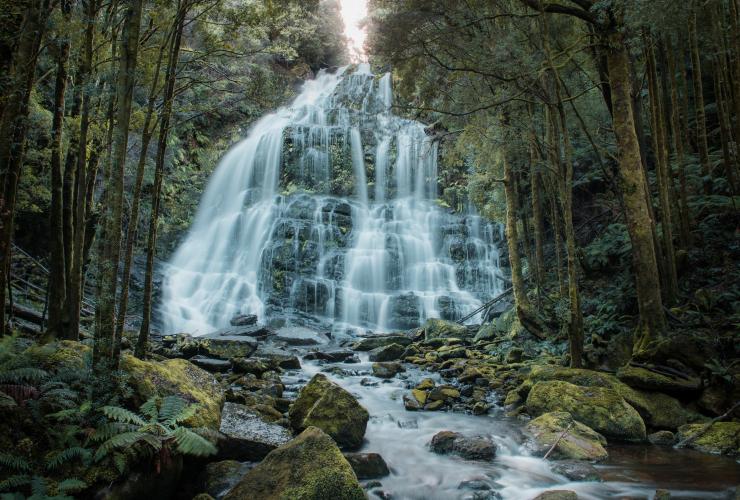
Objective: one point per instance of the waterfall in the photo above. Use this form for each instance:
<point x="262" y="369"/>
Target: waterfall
<point x="327" y="212"/>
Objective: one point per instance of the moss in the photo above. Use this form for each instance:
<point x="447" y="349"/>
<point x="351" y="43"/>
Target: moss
<point x="642" y="378"/>
<point x="57" y="355"/>
<point x="579" y="443"/>
<point x="604" y="410"/>
<point x="439" y="328"/>
<point x="419" y="395"/>
<point x="310" y="467"/>
<point x="722" y="438"/>
<point x="177" y="376"/>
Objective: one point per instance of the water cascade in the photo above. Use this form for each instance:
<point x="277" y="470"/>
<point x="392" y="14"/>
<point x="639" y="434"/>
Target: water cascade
<point x="327" y="212"/>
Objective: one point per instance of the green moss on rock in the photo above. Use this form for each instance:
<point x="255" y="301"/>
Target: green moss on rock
<point x="604" y="410"/>
<point x="642" y="378"/>
<point x="722" y="438"/>
<point x="310" y="467"/>
<point x="579" y="443"/>
<point x="439" y="329"/>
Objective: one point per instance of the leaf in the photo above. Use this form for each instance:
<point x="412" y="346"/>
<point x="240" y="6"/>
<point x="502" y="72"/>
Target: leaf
<point x="171" y="408"/>
<point x="124" y="440"/>
<point x="122" y="415"/>
<point x="71" y="485"/>
<point x="14" y="462"/>
<point x="13" y="482"/>
<point x="66" y="455"/>
<point x="190" y="443"/>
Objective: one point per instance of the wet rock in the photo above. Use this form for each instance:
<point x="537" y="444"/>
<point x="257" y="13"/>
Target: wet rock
<point x="309" y="466"/>
<point x="557" y="495"/>
<point x="662" y="495"/>
<point x="722" y="438"/>
<point x="515" y="355"/>
<point x="425" y="384"/>
<point x="282" y="358"/>
<point x="247" y="436"/>
<point x="576" y="470"/>
<point x="579" y="443"/>
<point x="468" y="447"/>
<point x="219" y="477"/>
<point x="391" y="352"/>
<point x="642" y="378"/>
<point x="243" y="320"/>
<point x="331" y="356"/>
<point x="602" y="409"/>
<point x="419" y="395"/>
<point x="443" y="393"/>
<point x="474" y="484"/>
<point x="662" y="438"/>
<point x="298" y="335"/>
<point x="410" y="403"/>
<point x="210" y="364"/>
<point x="227" y="345"/>
<point x="439" y="328"/>
<point x="480" y="408"/>
<point x="255" y="366"/>
<point x="388" y="369"/>
<point x="367" y="465"/>
<point x="323" y="404"/>
<point x="451" y="352"/>
<point x="375" y="341"/>
<point x="434" y="405"/>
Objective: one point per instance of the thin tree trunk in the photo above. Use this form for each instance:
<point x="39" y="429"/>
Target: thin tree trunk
<point x="105" y="361"/>
<point x="512" y="239"/>
<point x="701" y="125"/>
<point x="637" y="215"/>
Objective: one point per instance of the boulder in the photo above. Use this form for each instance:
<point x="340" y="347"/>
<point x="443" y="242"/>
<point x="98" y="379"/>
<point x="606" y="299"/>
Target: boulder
<point x="579" y="443"/>
<point x="642" y="378"/>
<point x="390" y="352"/>
<point x="375" y="341"/>
<point x="213" y="365"/>
<point x="469" y="447"/>
<point x="226" y="344"/>
<point x="246" y="436"/>
<point x="367" y="465"/>
<point x="443" y="393"/>
<point x="298" y="335"/>
<point x="438" y="328"/>
<point x="662" y="438"/>
<point x="410" y="403"/>
<point x="243" y="320"/>
<point x="219" y="477"/>
<point x="308" y="467"/>
<point x="332" y="356"/>
<point x="279" y="357"/>
<point x="557" y="495"/>
<point x="602" y="409"/>
<point x="576" y="470"/>
<point x="179" y="377"/>
<point x="722" y="438"/>
<point x="255" y="366"/>
<point x="323" y="404"/>
<point x="388" y="369"/>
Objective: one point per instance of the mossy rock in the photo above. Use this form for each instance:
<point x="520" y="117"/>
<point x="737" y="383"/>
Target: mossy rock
<point x="180" y="377"/>
<point x="310" y="467"/>
<point x="579" y="443"/>
<point x="642" y="378"/>
<point x="58" y="355"/>
<point x="557" y="495"/>
<point x="439" y="328"/>
<point x="722" y="438"/>
<point x="604" y="410"/>
<point x="324" y="404"/>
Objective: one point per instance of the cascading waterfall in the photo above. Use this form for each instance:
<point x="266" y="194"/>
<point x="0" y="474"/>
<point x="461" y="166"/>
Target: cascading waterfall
<point x="327" y="212"/>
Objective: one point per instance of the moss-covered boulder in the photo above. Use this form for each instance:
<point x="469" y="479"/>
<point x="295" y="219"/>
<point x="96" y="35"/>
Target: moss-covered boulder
<point x="59" y="355"/>
<point x="557" y="495"/>
<point x="604" y="410"/>
<point x="642" y="378"/>
<point x="180" y="377"/>
<point x="389" y="352"/>
<point x="323" y="404"/>
<point x="439" y="329"/>
<point x="374" y="341"/>
<point x="310" y="467"/>
<point x="579" y="443"/>
<point x="722" y="438"/>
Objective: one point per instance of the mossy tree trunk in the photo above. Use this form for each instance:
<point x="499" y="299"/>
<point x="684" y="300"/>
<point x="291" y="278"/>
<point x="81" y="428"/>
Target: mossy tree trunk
<point x="701" y="122"/>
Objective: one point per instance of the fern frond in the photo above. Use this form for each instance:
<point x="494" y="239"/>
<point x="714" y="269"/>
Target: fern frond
<point x="66" y="455"/>
<point x="23" y="374"/>
<point x="171" y="407"/>
<point x="122" y="415"/>
<point x="123" y="440"/>
<point x="186" y="413"/>
<point x="38" y="487"/>
<point x="6" y="401"/>
<point x="13" y="482"/>
<point x="149" y="409"/>
<point x="71" y="485"/>
<point x="14" y="462"/>
<point x="119" y="460"/>
<point x="190" y="443"/>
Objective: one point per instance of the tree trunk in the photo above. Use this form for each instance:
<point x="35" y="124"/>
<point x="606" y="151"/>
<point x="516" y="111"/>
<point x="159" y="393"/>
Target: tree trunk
<point x="701" y="125"/>
<point x="637" y="215"/>
<point x="512" y="239"/>
<point x="105" y="361"/>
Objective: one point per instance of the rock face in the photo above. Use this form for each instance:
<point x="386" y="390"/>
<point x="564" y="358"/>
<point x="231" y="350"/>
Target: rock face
<point x="579" y="443"/>
<point x="323" y="404"/>
<point x="308" y="467"/>
<point x="469" y="447"/>
<point x="180" y="377"/>
<point x="367" y="465"/>
<point x="247" y="436"/>
<point x="722" y="438"/>
<point x="602" y="409"/>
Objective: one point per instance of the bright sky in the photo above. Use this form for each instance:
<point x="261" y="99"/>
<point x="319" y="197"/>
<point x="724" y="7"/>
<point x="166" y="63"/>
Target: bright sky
<point x="354" y="11"/>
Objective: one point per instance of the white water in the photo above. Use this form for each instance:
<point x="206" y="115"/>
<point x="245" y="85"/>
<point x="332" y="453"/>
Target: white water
<point x="252" y="249"/>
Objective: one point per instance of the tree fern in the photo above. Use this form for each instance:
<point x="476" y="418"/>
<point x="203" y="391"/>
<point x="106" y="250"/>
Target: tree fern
<point x="14" y="462"/>
<point x="190" y="443"/>
<point x="123" y="415"/>
<point x="71" y="485"/>
<point x="14" y="482"/>
<point x="170" y="408"/>
<point x="64" y="456"/>
<point x="6" y="401"/>
<point x="23" y="374"/>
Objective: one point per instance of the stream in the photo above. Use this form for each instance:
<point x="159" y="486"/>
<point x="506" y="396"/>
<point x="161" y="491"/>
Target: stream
<point x="401" y="437"/>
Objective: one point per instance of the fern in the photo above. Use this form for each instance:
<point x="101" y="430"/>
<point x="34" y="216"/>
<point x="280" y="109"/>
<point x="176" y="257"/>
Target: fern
<point x="6" y="401"/>
<point x="190" y="443"/>
<point x="14" y="482"/>
<point x="14" y="462"/>
<point x="71" y="485"/>
<point x="64" y="456"/>
<point x="23" y="374"/>
<point x="171" y="408"/>
<point x="123" y="415"/>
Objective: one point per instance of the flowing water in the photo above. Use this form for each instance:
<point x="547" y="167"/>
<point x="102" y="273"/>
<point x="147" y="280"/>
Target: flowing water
<point x="328" y="211"/>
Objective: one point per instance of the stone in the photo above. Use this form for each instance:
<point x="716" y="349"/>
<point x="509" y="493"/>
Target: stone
<point x="331" y="356"/>
<point x="662" y="495"/>
<point x="722" y="438"/>
<point x="434" y="405"/>
<point x="298" y="335"/>
<point x="388" y="369"/>
<point x="226" y="344"/>
<point x="390" y="352"/>
<point x="438" y="328"/>
<point x="375" y="341"/>
<point x="280" y="357"/>
<point x="451" y="352"/>
<point x="468" y="447"/>
<point x="425" y="384"/>
<point x="211" y="364"/>
<point x="576" y="470"/>
<point x="662" y="438"/>
<point x="324" y="404"/>
<point x="255" y="366"/>
<point x="367" y="465"/>
<point x="579" y="443"/>
<point x="176" y="377"/>
<point x="515" y="355"/>
<point x="602" y="409"/>
<point x="246" y="436"/>
<point x="419" y="395"/>
<point x="557" y="495"/>
<point x="480" y="408"/>
<point x="642" y="378"/>
<point x="220" y="477"/>
<point x="410" y="403"/>
<point x="243" y="320"/>
<point x="308" y="467"/>
<point x="443" y="393"/>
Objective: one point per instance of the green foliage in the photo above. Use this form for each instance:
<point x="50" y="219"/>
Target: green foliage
<point x="610" y="247"/>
